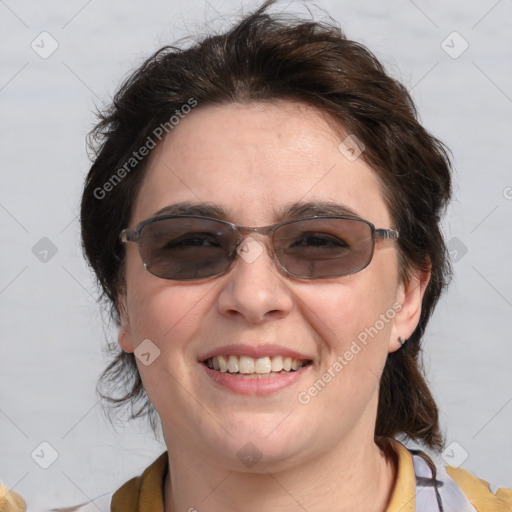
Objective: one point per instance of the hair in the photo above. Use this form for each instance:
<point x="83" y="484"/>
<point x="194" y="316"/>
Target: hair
<point x="268" y="57"/>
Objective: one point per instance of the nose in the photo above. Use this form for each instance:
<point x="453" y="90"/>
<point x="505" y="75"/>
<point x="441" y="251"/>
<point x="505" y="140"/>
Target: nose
<point x="255" y="289"/>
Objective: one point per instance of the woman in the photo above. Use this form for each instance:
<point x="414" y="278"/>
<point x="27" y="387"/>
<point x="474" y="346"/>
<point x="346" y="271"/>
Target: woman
<point x="263" y="216"/>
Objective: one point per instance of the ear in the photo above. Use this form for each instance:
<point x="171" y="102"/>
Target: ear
<point x="409" y="296"/>
<point x="124" y="337"/>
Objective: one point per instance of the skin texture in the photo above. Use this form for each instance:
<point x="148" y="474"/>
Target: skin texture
<point x="253" y="160"/>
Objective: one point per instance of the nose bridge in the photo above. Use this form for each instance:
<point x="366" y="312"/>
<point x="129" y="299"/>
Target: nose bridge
<point x="250" y="248"/>
<point x="253" y="246"/>
<point x="255" y="286"/>
<point x="260" y="230"/>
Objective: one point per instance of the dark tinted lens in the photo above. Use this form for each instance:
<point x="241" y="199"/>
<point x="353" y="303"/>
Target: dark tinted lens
<point x="324" y="247"/>
<point x="186" y="248"/>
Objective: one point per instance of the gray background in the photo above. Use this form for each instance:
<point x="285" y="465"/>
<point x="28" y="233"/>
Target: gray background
<point x="52" y="330"/>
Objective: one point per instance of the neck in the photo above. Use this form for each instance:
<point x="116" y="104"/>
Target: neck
<point x="354" y="477"/>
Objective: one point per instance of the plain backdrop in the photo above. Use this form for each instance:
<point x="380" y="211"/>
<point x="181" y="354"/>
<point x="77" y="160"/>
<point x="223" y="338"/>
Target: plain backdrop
<point x="454" y="57"/>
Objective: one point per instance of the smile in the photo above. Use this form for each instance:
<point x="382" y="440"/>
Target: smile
<point x="250" y="367"/>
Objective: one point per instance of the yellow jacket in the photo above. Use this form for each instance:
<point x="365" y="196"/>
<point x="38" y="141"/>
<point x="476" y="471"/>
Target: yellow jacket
<point x="454" y="490"/>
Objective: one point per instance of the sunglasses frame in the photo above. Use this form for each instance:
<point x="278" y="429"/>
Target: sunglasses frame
<point x="134" y="235"/>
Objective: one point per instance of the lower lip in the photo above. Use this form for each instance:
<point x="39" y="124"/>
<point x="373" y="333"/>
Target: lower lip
<point x="254" y="386"/>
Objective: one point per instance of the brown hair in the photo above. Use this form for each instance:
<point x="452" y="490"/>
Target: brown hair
<point x="266" y="57"/>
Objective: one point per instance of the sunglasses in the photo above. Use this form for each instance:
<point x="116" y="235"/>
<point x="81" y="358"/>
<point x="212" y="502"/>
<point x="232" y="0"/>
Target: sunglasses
<point x="188" y="247"/>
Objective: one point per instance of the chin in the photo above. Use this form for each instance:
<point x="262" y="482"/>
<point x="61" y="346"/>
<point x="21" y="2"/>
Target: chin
<point x="257" y="446"/>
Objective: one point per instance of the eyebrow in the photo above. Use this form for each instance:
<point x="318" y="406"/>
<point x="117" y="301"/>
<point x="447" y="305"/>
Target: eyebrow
<point x="293" y="211"/>
<point x="310" y="208"/>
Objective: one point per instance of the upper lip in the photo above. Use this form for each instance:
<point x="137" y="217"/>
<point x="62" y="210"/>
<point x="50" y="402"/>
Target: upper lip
<point x="254" y="351"/>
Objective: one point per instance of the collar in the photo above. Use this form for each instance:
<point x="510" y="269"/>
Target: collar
<point x="146" y="493"/>
<point x="403" y="496"/>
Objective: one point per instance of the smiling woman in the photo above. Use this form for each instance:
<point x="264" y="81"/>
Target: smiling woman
<point x="272" y="264"/>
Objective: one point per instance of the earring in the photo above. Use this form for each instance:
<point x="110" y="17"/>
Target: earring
<point x="401" y="340"/>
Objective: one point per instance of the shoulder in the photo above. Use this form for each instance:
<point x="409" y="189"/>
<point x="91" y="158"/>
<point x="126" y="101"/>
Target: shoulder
<point x="456" y="489"/>
<point x="147" y="489"/>
<point x="423" y="486"/>
<point x="479" y="493"/>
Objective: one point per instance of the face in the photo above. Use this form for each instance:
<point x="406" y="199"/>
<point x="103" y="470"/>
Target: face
<point x="254" y="162"/>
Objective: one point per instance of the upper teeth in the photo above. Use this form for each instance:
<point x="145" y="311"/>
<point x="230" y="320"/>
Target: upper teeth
<point x="246" y="364"/>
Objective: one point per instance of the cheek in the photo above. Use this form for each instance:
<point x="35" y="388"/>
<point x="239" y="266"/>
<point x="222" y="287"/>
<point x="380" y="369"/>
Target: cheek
<point x="342" y="311"/>
<point x="355" y="312"/>
<point x="165" y="312"/>
<point x="169" y="316"/>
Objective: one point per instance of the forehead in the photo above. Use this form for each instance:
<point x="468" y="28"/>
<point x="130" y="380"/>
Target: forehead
<point x="256" y="160"/>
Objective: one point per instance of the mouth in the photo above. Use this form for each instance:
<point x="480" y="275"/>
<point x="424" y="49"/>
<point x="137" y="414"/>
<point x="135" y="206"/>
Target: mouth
<point x="247" y="367"/>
